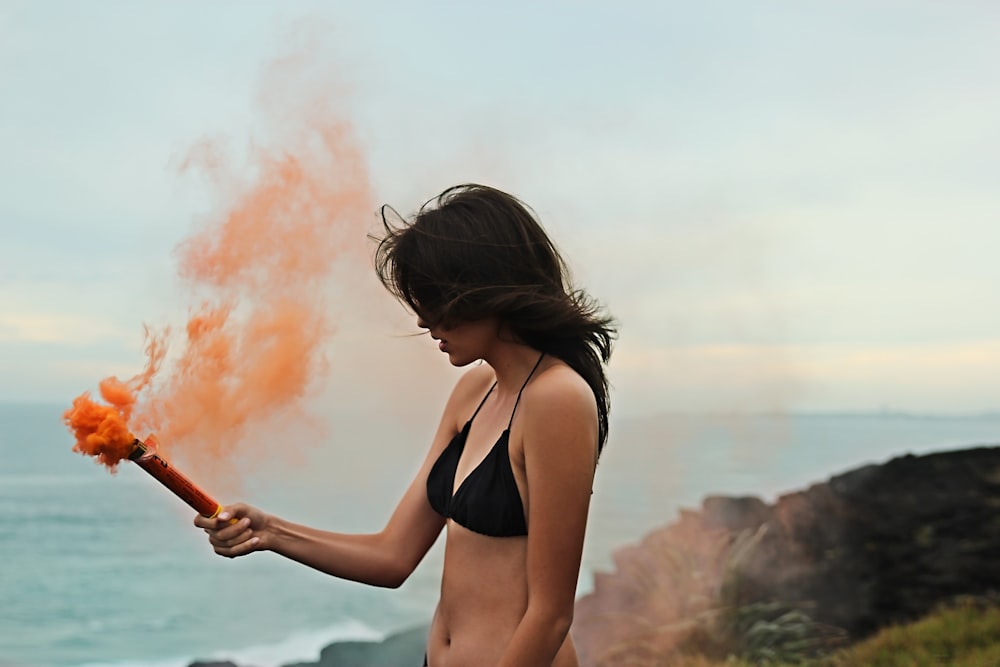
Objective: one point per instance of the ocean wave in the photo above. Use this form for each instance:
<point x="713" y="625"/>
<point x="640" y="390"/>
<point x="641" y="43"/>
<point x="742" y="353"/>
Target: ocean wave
<point x="297" y="647"/>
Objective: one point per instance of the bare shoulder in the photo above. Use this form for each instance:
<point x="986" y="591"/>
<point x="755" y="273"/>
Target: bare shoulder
<point x="560" y="401"/>
<point x="558" y="438"/>
<point x="560" y="391"/>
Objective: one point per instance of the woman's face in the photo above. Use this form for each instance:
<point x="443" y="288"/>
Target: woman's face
<point x="464" y="342"/>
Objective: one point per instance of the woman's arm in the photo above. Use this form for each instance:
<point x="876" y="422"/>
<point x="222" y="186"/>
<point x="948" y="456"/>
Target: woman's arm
<point x="560" y="449"/>
<point x="385" y="558"/>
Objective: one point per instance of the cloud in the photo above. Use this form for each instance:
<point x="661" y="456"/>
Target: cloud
<point x="953" y="377"/>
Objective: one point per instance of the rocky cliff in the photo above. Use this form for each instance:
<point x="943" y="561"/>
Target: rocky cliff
<point x="876" y="545"/>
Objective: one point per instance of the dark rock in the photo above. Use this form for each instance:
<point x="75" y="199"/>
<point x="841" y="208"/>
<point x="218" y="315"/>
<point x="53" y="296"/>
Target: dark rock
<point x="884" y="544"/>
<point x="403" y="649"/>
<point x="734" y="513"/>
<point x="877" y="545"/>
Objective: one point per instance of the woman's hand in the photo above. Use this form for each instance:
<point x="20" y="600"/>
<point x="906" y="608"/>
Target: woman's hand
<point x="237" y="530"/>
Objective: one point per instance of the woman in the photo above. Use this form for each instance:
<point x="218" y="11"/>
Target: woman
<point x="510" y="470"/>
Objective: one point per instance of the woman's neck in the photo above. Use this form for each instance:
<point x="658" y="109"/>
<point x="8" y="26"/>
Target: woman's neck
<point x="512" y="363"/>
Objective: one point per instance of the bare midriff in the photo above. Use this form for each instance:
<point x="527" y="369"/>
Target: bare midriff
<point x="484" y="595"/>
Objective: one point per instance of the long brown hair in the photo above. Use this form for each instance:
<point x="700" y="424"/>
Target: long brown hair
<point x="475" y="252"/>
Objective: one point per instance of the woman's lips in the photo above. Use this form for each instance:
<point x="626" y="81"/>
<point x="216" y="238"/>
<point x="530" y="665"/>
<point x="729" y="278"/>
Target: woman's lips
<point x="442" y="346"/>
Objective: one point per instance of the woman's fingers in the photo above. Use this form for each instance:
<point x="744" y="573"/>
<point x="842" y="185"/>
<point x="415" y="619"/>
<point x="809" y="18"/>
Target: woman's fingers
<point x="239" y="550"/>
<point x="227" y="532"/>
<point x="228" y="514"/>
<point x="230" y="532"/>
<point x="233" y="540"/>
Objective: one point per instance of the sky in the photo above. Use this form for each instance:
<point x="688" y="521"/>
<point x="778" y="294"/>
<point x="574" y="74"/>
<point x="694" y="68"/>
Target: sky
<point x="788" y="206"/>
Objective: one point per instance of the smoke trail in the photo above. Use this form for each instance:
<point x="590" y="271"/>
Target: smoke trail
<point x="260" y="271"/>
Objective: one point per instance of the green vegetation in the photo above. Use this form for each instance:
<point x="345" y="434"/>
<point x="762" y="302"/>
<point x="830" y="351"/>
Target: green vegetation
<point x="966" y="634"/>
<point x="769" y="633"/>
<point x="963" y="634"/>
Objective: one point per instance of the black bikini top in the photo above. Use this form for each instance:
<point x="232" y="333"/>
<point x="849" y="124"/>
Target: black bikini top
<point x="487" y="501"/>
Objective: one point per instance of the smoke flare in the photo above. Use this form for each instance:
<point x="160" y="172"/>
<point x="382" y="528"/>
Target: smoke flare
<point x="101" y="430"/>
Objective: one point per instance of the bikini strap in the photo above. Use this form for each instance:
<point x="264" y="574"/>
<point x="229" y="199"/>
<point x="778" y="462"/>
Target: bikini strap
<point x="483" y="401"/>
<point x="537" y="364"/>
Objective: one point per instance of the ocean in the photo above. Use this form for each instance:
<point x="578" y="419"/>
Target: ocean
<point x="106" y="570"/>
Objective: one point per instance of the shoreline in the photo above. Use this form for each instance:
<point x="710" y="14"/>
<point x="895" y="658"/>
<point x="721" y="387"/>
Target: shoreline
<point x="403" y="648"/>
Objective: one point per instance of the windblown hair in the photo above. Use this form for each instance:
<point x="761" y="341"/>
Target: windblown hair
<point x="475" y="252"/>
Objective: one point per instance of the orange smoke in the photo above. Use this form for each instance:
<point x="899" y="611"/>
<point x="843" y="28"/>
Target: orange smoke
<point x="260" y="270"/>
<point x="102" y="430"/>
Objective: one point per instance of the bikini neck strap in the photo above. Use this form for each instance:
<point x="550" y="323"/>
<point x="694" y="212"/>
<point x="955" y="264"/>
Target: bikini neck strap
<point x="518" y="400"/>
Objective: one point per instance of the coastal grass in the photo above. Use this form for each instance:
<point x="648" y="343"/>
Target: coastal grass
<point x="962" y="634"/>
<point x="965" y="634"/>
